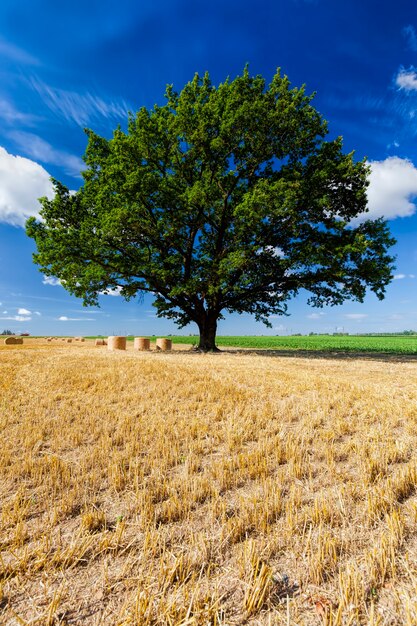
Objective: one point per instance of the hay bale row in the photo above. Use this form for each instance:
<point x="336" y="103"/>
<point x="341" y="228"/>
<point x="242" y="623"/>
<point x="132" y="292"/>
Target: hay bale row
<point x="115" y="342"/>
<point x="11" y="341"/>
<point x="66" y="339"/>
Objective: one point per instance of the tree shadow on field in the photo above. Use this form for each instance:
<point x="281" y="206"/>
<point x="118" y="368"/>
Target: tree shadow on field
<point x="348" y="355"/>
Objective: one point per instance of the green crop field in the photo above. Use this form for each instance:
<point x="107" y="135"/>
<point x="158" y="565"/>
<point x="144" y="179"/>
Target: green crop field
<point x="392" y="344"/>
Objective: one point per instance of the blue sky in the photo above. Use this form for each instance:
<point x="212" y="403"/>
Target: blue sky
<point x="69" y="65"/>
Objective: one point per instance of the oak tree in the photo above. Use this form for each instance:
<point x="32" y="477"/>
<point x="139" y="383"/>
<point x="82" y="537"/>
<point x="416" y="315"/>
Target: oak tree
<point x="227" y="198"/>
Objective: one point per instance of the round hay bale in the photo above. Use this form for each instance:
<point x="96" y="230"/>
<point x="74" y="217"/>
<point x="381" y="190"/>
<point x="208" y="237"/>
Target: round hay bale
<point x="69" y="340"/>
<point x="116" y="343"/>
<point x="99" y="342"/>
<point x="164" y="344"/>
<point x="49" y="339"/>
<point x="105" y="342"/>
<point x="12" y="341"/>
<point x="141" y="343"/>
<point x="82" y="339"/>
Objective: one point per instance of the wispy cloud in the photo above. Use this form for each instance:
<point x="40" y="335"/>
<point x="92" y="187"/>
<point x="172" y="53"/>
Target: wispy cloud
<point x="81" y="109"/>
<point x="410" y="35"/>
<point x="401" y="276"/>
<point x="17" y="318"/>
<point x="24" y="312"/>
<point x="10" y="115"/>
<point x="9" y="50"/>
<point x="315" y="316"/>
<point x="64" y="318"/>
<point x="357" y="102"/>
<point x="356" y="316"/>
<point x="40" y="150"/>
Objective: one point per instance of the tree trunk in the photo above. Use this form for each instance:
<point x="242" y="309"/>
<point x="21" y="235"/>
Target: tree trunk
<point x="208" y="328"/>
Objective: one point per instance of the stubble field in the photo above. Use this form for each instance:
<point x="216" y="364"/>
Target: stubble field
<point x="190" y="490"/>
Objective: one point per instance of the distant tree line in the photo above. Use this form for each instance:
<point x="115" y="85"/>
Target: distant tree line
<point x="401" y="333"/>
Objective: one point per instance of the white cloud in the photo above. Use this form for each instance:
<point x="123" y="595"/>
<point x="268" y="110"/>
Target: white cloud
<point x="80" y="108"/>
<point x="64" y="318"/>
<point x="392" y="188"/>
<point x="407" y="79"/>
<point x="280" y="327"/>
<point x="24" y="312"/>
<point x="315" y="316"/>
<point x="111" y="292"/>
<point x="51" y="280"/>
<point x="401" y="276"/>
<point x="40" y="150"/>
<point x="17" y="318"/>
<point x="22" y="182"/>
<point x="356" y="316"/>
<point x="38" y="313"/>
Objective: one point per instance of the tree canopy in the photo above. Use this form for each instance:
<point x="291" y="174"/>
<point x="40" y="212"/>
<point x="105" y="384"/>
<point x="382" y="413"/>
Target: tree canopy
<point x="226" y="198"/>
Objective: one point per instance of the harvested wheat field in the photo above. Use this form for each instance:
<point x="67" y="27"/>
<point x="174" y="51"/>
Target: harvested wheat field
<point x="185" y="489"/>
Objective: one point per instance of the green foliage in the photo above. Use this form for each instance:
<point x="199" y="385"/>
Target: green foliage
<point x="226" y="198"/>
